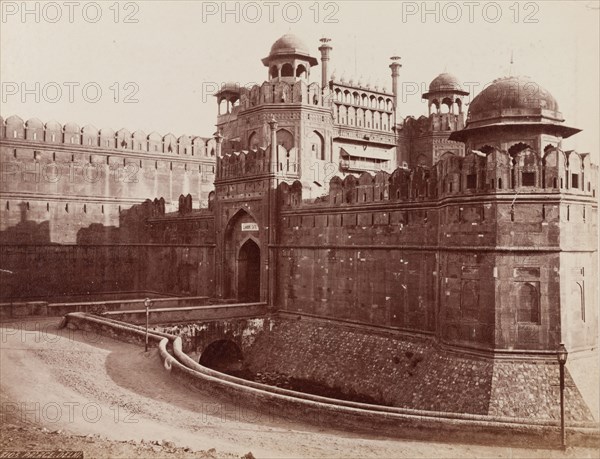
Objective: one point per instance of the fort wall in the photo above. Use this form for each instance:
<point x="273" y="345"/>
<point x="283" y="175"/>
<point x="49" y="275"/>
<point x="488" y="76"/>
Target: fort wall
<point x="479" y="254"/>
<point x="70" y="215"/>
<point x="51" y="271"/>
<point x="71" y="177"/>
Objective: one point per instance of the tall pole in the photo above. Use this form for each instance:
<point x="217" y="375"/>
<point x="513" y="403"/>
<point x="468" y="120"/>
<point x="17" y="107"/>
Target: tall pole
<point x="147" y="304"/>
<point x="563" y="438"/>
<point x="562" y="355"/>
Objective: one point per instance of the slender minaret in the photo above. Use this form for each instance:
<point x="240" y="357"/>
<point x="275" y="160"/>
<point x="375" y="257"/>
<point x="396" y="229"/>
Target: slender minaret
<point x="218" y="139"/>
<point x="274" y="150"/>
<point x="325" y="48"/>
<point x="395" y="66"/>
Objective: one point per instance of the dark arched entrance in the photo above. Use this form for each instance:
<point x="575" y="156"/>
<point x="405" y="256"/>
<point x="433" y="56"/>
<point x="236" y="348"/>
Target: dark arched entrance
<point x="249" y="272"/>
<point x="222" y="355"/>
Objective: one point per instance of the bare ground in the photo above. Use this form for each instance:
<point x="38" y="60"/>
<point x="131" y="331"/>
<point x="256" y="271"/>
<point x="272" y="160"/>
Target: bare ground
<point x="80" y="391"/>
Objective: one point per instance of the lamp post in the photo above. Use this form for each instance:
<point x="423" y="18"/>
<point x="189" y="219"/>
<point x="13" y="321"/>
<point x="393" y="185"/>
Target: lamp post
<point x="147" y="303"/>
<point x="562" y="354"/>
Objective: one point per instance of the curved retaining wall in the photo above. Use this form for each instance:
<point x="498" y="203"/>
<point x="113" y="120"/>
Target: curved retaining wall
<point x="114" y="329"/>
<point x="358" y="417"/>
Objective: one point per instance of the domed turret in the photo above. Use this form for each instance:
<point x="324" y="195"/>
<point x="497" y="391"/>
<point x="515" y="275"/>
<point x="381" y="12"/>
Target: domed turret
<point x="445" y="92"/>
<point x="444" y="82"/>
<point x="289" y="58"/>
<point x="518" y="102"/>
<point x="289" y="44"/>
<point x="513" y="98"/>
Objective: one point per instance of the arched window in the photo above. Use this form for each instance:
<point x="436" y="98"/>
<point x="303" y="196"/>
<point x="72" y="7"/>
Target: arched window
<point x="458" y="103"/>
<point x="447" y="105"/>
<point x="287" y="70"/>
<point x="517" y="148"/>
<point x="223" y="106"/>
<point x="301" y="71"/>
<point x="253" y="141"/>
<point x="285" y="139"/>
<point x="274" y="72"/>
<point x="579" y="298"/>
<point x="317" y="145"/>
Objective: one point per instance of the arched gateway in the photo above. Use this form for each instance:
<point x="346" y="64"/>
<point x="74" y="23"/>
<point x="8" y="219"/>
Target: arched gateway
<point x="248" y="272"/>
<point x="242" y="258"/>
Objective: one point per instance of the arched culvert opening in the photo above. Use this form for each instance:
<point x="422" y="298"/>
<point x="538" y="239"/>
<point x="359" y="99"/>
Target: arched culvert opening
<point x="222" y="355"/>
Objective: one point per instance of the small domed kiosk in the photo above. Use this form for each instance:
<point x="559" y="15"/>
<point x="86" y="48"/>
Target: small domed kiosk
<point x="289" y="59"/>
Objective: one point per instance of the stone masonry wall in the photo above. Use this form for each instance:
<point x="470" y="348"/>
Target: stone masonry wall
<point x="411" y="372"/>
<point x="55" y="270"/>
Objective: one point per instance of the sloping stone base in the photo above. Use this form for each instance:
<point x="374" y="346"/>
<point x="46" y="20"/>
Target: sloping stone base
<point x="412" y="372"/>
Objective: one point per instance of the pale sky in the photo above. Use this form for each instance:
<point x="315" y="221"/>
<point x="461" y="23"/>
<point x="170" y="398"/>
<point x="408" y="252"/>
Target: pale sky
<point x="174" y="54"/>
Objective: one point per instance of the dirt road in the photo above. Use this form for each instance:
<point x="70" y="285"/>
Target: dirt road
<point x="81" y="391"/>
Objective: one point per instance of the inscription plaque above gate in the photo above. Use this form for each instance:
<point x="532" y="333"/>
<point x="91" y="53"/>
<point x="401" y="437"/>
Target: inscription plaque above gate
<point x="249" y="227"/>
